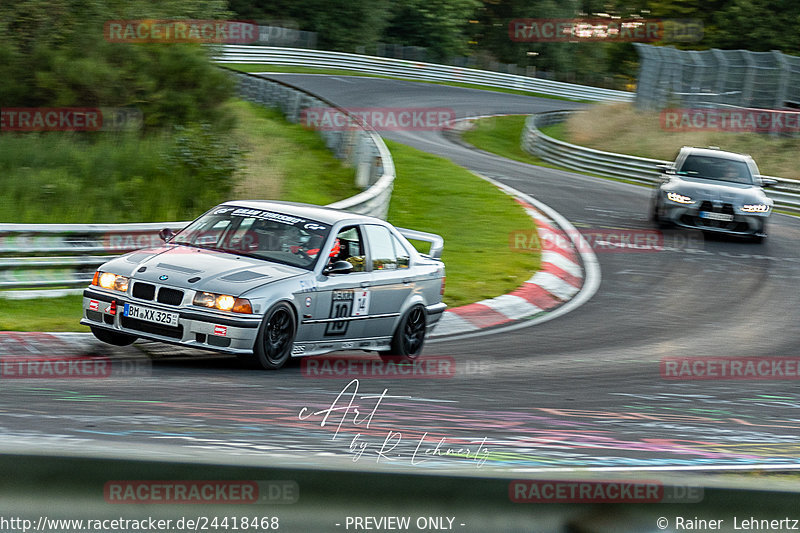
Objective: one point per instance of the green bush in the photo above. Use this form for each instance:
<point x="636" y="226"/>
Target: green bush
<point x="54" y="53"/>
<point x="163" y="176"/>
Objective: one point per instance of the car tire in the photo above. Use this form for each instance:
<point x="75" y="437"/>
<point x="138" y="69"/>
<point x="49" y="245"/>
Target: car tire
<point x="112" y="337"/>
<point x="276" y="337"/>
<point x="656" y="219"/>
<point x="409" y="337"/>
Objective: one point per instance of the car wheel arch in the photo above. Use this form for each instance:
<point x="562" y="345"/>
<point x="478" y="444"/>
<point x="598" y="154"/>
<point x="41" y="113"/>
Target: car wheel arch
<point x="261" y="356"/>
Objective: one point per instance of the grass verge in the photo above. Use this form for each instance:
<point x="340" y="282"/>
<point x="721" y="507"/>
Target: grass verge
<point x="42" y="314"/>
<point x="501" y="136"/>
<point x="622" y="129"/>
<point x="474" y="217"/>
<point x="272" y="169"/>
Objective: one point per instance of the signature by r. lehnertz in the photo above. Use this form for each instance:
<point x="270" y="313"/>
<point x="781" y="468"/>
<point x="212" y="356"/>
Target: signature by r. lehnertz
<point x="392" y="447"/>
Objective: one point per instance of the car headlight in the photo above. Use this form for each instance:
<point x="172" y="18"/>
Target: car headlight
<point x="755" y="208"/>
<point x="223" y="302"/>
<point x="679" y="198"/>
<point x="112" y="282"/>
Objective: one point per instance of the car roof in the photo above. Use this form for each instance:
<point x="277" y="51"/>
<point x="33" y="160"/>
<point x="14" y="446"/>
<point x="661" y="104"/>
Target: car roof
<point x="318" y="213"/>
<point x="715" y="152"/>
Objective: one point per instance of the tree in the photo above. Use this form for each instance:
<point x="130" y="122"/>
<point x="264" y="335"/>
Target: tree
<point x="54" y="53"/>
<point x="441" y="26"/>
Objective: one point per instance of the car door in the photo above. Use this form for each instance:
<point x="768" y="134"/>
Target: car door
<point x="392" y="282"/>
<point x="341" y="296"/>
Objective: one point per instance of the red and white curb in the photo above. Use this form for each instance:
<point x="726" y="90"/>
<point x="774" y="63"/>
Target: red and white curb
<point x="560" y="278"/>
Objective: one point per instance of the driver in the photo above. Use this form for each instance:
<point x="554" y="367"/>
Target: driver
<point x="731" y="173"/>
<point x="312" y="252"/>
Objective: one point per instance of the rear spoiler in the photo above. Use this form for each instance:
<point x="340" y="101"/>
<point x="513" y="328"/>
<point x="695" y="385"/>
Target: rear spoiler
<point x="437" y="242"/>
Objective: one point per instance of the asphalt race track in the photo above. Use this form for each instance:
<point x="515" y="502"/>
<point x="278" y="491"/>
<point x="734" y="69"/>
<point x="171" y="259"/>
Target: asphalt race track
<point x="585" y="390"/>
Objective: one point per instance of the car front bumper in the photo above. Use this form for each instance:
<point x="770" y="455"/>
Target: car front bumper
<point x="742" y="224"/>
<point x="196" y="328"/>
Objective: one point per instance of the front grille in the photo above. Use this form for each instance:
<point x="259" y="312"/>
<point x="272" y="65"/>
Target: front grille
<point x="149" y="327"/>
<point x="170" y="296"/>
<point x="144" y="291"/>
<point x="708" y="206"/>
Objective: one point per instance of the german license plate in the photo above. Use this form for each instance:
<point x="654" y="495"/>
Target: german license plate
<point x="724" y="217"/>
<point x="149" y="314"/>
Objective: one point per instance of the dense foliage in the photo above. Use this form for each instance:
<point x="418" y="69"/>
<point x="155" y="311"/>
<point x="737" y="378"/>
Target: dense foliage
<point x="479" y="28"/>
<point x="54" y="53"/>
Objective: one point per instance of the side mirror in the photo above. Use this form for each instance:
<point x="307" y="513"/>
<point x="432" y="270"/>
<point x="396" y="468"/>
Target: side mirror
<point x="768" y="182"/>
<point x="166" y="234"/>
<point x="339" y="267"/>
<point x="667" y="169"/>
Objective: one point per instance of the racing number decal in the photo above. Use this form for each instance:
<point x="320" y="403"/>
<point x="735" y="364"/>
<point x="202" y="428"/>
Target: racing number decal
<point x="362" y="303"/>
<point x="341" y="306"/>
<point x="346" y="303"/>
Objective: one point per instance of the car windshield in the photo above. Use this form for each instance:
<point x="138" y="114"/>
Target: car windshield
<point x="260" y="233"/>
<point x="716" y="168"/>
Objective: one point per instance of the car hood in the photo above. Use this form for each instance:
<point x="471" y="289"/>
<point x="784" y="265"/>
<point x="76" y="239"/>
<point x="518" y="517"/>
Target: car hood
<point x="200" y="269"/>
<point x="718" y="191"/>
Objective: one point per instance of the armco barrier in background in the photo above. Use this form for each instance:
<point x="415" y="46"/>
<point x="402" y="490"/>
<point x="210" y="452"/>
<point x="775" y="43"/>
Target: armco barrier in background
<point x="44" y="256"/>
<point x="639" y="169"/>
<point x="413" y="70"/>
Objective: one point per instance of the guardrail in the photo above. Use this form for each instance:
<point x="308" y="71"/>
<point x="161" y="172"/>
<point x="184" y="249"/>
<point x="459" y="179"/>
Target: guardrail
<point x="44" y="256"/>
<point x="414" y="70"/>
<point x="71" y="485"/>
<point x="638" y="169"/>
